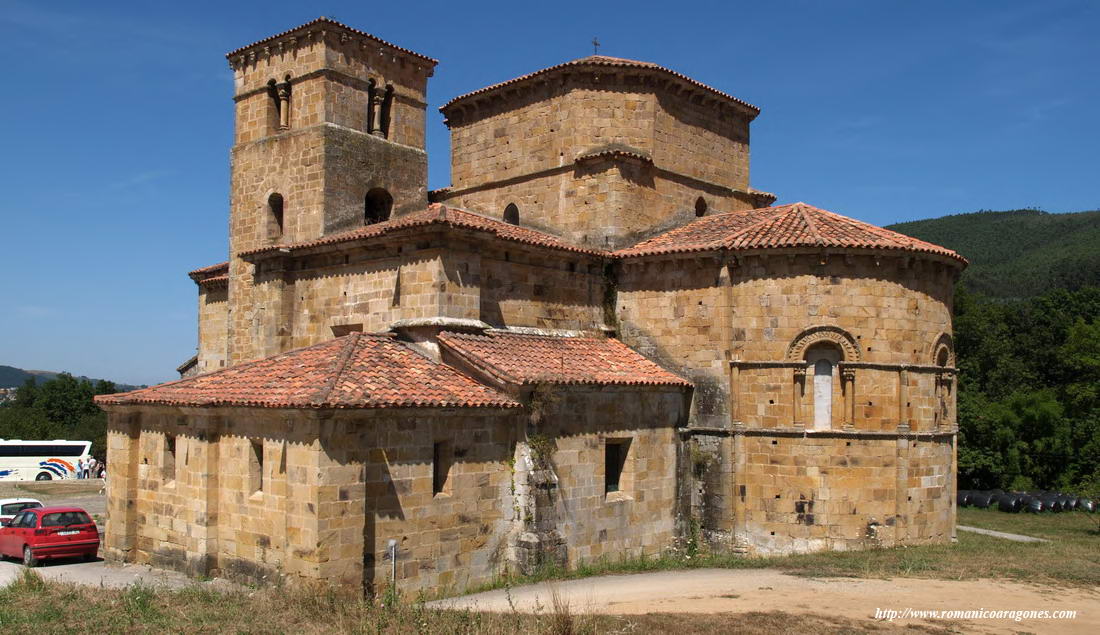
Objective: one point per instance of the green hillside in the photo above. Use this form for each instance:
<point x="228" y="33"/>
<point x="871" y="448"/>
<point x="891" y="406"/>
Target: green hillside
<point x="1018" y="253"/>
<point x="12" y="377"/>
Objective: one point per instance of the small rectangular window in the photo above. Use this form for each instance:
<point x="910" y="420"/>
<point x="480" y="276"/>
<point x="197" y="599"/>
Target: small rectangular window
<point x="442" y="459"/>
<point x="256" y="465"/>
<point x="615" y="453"/>
<point x="169" y="458"/>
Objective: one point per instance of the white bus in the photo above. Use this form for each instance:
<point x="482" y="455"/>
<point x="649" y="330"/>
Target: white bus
<point x="41" y="460"/>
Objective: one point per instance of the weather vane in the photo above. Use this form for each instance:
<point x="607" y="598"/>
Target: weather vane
<point x="595" y="46"/>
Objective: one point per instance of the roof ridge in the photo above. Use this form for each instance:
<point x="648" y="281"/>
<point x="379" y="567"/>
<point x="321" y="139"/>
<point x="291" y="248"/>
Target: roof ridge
<point x="803" y="211"/>
<point x="727" y="243"/>
<point x="476" y="360"/>
<point x="327" y="20"/>
<point x="322" y="395"/>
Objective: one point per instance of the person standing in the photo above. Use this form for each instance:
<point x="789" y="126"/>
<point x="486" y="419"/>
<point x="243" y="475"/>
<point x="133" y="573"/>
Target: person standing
<point x="80" y="468"/>
<point x="91" y="467"/>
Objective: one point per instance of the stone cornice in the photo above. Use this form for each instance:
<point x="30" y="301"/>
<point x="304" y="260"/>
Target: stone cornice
<point x="312" y="32"/>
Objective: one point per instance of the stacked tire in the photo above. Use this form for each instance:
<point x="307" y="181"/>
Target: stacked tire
<point x="1028" y="502"/>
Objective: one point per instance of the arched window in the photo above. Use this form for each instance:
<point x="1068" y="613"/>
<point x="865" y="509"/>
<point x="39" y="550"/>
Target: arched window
<point x="275" y="216"/>
<point x="377" y="206"/>
<point x="822" y="360"/>
<point x="511" y="214"/>
<point x="700" y="206"/>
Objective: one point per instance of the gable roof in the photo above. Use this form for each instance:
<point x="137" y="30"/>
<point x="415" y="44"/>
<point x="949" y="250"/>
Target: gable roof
<point x="602" y="61"/>
<point x="354" y="371"/>
<point x="532" y="359"/>
<point x="438" y="214"/>
<point x="793" y="225"/>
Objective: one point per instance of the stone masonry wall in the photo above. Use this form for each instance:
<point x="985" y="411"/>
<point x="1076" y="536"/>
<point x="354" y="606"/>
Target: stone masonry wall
<point x="575" y="427"/>
<point x="213" y="327"/>
<point x="536" y="150"/>
<point x="689" y="312"/>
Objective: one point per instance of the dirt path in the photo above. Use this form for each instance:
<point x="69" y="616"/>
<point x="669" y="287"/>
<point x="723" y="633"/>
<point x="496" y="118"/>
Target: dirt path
<point x="742" y="590"/>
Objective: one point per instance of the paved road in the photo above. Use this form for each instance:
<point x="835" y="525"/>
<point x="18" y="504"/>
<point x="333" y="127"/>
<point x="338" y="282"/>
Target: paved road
<point x="743" y="590"/>
<point x="97" y="574"/>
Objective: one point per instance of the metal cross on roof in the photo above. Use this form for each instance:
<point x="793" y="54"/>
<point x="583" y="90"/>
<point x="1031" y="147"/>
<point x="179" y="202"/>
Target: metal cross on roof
<point x="595" y="46"/>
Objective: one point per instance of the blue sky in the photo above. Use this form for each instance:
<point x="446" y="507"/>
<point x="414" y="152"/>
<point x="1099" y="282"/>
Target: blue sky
<point x="116" y="122"/>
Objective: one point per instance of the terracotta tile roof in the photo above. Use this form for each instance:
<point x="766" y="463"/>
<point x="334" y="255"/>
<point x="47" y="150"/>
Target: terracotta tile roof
<point x="605" y="61"/>
<point x="220" y="269"/>
<point x="330" y="21"/>
<point x="354" y="371"/>
<point x="441" y="215"/>
<point x="214" y="281"/>
<point x="793" y="225"/>
<point x="531" y="359"/>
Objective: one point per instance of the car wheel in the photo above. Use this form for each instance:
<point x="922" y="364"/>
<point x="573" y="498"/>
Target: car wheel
<point x="28" y="557"/>
<point x="89" y="557"/>
<point x="43" y="476"/>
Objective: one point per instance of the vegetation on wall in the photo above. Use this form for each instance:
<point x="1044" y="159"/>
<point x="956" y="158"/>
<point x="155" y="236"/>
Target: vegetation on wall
<point x="60" y="408"/>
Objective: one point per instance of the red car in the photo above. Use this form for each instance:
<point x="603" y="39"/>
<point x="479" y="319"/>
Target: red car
<point x="49" y="532"/>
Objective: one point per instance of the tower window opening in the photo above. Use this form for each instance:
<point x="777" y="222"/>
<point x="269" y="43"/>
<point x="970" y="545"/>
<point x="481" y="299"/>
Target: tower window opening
<point x="700" y="206"/>
<point x="275" y="216"/>
<point x="387" y="112"/>
<point x="377" y="205"/>
<point x="511" y="214"/>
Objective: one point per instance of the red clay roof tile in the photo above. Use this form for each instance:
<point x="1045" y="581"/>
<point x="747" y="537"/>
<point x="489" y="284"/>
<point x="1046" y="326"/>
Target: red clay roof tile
<point x="330" y="21"/>
<point x="530" y="359"/>
<point x="602" y="60"/>
<point x="354" y="371"/>
<point x="793" y="225"/>
<point x="211" y="271"/>
<point x="441" y="215"/>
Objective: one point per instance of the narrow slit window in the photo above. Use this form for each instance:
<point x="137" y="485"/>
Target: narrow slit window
<point x="442" y="460"/>
<point x="511" y="214"/>
<point x="256" y="465"/>
<point x="615" y="452"/>
<point x="275" y="216"/>
<point x="169" y="458"/>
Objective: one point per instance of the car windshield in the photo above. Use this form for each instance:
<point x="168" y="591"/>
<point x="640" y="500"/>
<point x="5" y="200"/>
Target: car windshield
<point x="63" y="519"/>
<point x="15" y="508"/>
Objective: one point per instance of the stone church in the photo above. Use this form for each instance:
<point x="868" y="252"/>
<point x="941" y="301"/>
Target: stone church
<point x="599" y="341"/>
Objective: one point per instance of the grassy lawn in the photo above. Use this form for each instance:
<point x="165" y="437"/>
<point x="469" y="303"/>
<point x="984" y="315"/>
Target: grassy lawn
<point x="32" y="605"/>
<point x="1071" y="559"/>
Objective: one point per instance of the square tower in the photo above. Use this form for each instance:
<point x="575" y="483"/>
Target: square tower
<point x="329" y="136"/>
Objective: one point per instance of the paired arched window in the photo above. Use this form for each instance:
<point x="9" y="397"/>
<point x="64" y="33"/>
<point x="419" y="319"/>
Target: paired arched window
<point x="377" y="205"/>
<point x="700" y="206"/>
<point x="275" y="216"/>
<point x="511" y="214"/>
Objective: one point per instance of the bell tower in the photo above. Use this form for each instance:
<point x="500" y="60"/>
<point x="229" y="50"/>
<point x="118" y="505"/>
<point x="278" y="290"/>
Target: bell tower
<point x="328" y="137"/>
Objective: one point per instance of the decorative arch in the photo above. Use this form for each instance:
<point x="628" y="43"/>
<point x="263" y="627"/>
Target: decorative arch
<point x="943" y="351"/>
<point x="835" y="335"/>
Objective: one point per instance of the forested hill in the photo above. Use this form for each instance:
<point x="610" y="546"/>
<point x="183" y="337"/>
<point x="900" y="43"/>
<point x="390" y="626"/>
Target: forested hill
<point x="12" y="377"/>
<point x="1018" y="253"/>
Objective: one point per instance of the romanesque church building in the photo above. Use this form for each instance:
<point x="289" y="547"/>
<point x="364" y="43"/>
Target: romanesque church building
<point x="599" y="341"/>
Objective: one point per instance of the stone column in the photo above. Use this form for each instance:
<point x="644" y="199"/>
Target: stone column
<point x="283" y="91"/>
<point x="372" y="101"/>
<point x="734" y="401"/>
<point x="740" y="488"/>
<point x="903" y="397"/>
<point x="901" y="498"/>
<point x="848" y="385"/>
<point x="798" y="389"/>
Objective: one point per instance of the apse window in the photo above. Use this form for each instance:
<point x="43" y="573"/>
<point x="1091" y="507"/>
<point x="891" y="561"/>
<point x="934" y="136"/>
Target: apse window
<point x="616" y="452"/>
<point x="442" y="461"/>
